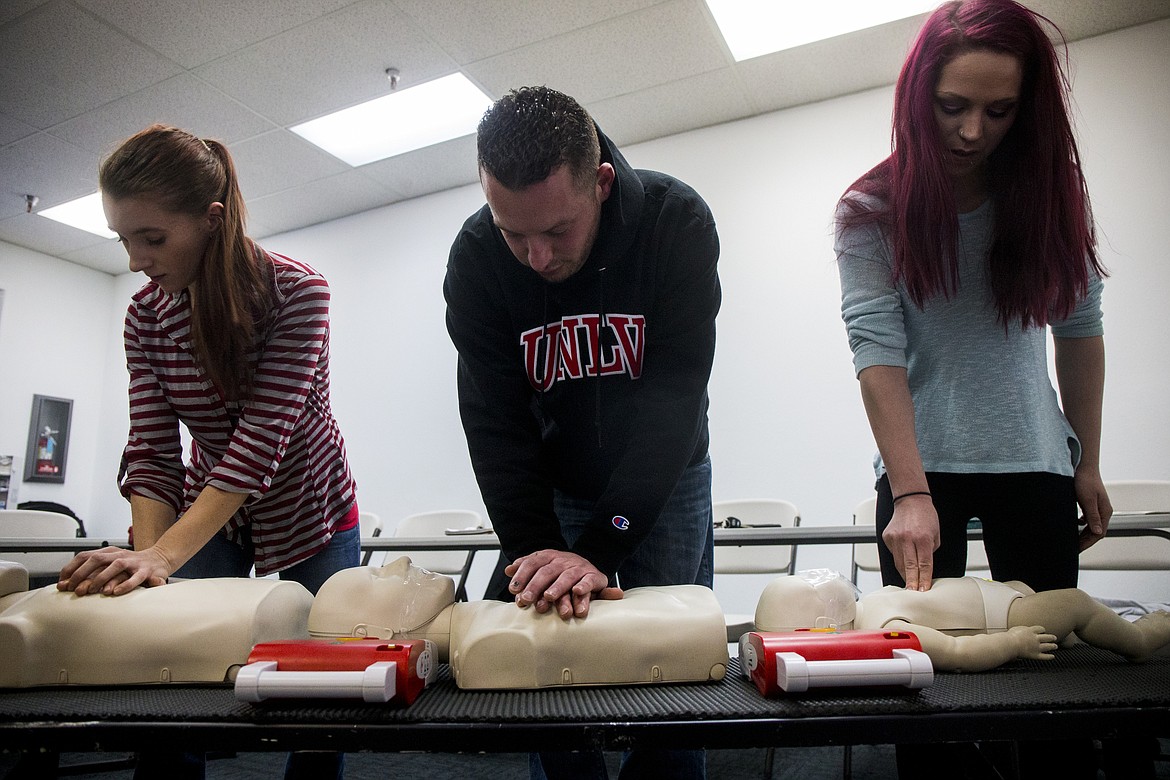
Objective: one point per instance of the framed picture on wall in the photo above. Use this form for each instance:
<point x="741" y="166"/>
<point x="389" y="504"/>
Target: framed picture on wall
<point x="48" y="439"/>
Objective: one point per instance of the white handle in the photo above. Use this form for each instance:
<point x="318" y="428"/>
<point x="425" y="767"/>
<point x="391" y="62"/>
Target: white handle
<point x="910" y="668"/>
<point x="261" y="680"/>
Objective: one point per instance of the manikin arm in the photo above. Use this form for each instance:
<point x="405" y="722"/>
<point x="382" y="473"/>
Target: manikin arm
<point x="980" y="652"/>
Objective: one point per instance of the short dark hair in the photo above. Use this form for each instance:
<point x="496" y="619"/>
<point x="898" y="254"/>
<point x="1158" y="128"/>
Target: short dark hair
<point x="530" y="131"/>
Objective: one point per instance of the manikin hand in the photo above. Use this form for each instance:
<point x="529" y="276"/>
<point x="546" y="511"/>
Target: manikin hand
<point x="1033" y="642"/>
<point x="114" y="571"/>
<point x="912" y="537"/>
<point x="558" y="579"/>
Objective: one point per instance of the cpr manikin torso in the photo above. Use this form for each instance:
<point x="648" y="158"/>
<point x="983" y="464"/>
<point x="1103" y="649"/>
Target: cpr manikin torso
<point x="957" y="605"/>
<point x="200" y="630"/>
<point x="964" y="624"/>
<point x="822" y="598"/>
<point x="665" y="634"/>
<point x="187" y="631"/>
<point x="672" y="633"/>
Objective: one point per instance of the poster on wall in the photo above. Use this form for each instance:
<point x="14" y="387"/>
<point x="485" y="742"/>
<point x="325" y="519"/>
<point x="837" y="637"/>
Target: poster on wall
<point x="48" y="439"/>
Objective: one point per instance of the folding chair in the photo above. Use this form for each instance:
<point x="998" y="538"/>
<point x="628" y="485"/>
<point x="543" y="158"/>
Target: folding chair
<point x="755" y="559"/>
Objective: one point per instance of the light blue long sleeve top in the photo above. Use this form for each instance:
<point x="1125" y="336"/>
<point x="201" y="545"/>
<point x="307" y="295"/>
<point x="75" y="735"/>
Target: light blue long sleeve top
<point x="983" y="399"/>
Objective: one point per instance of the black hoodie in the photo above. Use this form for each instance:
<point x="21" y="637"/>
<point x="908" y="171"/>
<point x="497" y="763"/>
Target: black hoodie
<point x="645" y="302"/>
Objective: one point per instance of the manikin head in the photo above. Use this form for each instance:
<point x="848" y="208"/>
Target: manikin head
<point x="816" y="598"/>
<point x="398" y="600"/>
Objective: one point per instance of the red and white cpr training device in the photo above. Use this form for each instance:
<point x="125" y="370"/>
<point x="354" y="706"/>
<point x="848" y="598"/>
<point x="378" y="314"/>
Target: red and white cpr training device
<point x="373" y="670"/>
<point x="794" y="661"/>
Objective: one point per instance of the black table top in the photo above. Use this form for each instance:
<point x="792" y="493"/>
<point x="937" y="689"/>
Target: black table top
<point x="1084" y="692"/>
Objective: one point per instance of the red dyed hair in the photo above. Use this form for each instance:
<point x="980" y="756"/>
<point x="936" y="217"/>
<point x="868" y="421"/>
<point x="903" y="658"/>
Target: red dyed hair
<point x="1044" y="238"/>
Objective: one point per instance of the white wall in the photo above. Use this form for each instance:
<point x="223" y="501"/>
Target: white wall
<point x="392" y="365"/>
<point x="54" y="341"/>
<point x="1123" y="121"/>
<point x="786" y="416"/>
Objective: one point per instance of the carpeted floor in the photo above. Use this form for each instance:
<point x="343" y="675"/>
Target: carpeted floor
<point x="869" y="762"/>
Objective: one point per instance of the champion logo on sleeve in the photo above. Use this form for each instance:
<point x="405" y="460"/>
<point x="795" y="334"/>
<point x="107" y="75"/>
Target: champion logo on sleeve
<point x="621" y="523"/>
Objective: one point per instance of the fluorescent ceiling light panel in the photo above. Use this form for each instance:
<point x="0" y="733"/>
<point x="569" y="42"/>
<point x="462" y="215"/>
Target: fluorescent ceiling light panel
<point x="400" y="122"/>
<point x="756" y="27"/>
<point x="84" y="213"/>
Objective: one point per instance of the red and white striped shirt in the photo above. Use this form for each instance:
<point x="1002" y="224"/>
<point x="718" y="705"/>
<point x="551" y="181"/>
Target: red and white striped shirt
<point x="282" y="445"/>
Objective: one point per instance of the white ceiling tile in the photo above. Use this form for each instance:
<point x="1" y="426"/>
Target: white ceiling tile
<point x="192" y="33"/>
<point x="108" y="256"/>
<point x="857" y="61"/>
<point x="438" y="167"/>
<point x="44" y="235"/>
<point x="11" y="9"/>
<point x="58" y="62"/>
<point x="1082" y="19"/>
<point x="509" y="23"/>
<point x="294" y="77"/>
<point x="257" y="229"/>
<point x="612" y="58"/>
<point x="183" y="101"/>
<point x="318" y="201"/>
<point x="76" y="76"/>
<point x="47" y="167"/>
<point x="699" y="101"/>
<point x="280" y="160"/>
<point x="12" y="129"/>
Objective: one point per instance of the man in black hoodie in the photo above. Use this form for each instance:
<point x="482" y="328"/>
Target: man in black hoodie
<point x="582" y="302"/>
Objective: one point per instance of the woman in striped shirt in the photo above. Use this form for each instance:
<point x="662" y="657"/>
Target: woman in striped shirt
<point x="232" y="342"/>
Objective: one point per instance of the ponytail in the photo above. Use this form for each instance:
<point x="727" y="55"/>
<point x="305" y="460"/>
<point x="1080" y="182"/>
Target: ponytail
<point x="232" y="294"/>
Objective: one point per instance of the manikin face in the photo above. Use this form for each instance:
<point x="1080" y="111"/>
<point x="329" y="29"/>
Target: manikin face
<point x="167" y="246"/>
<point x="975" y="103"/>
<point x="550" y="226"/>
<point x="389" y="600"/>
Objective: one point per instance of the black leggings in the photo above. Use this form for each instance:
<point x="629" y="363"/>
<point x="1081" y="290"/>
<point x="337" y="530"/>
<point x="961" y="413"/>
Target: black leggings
<point x="1030" y="534"/>
<point x="1030" y="526"/>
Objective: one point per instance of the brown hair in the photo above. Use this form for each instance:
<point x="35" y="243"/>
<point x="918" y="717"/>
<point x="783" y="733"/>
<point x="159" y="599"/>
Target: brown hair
<point x="232" y="292"/>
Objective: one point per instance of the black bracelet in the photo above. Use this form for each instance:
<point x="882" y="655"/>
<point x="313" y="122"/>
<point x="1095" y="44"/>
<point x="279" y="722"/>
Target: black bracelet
<point x="912" y="493"/>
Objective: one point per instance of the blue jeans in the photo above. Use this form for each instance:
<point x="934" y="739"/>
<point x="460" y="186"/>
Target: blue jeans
<point x="222" y="557"/>
<point x="680" y="547"/>
<point x="678" y="551"/>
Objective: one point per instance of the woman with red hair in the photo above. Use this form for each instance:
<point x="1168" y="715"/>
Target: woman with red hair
<point x="957" y="254"/>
